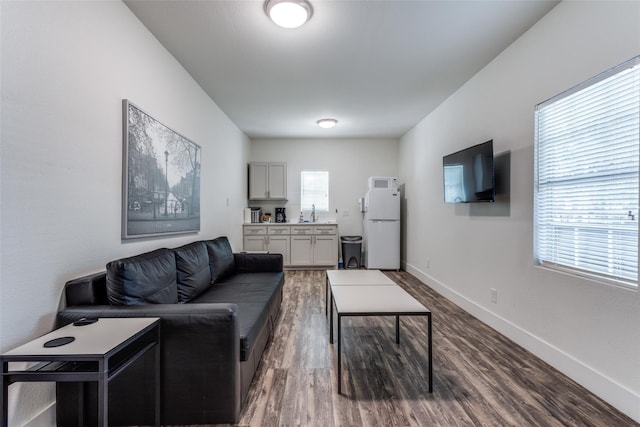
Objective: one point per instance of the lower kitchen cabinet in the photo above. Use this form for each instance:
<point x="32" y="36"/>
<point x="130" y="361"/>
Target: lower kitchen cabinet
<point x="325" y="250"/>
<point x="302" y="250"/>
<point x="255" y="243"/>
<point x="325" y="245"/>
<point x="279" y="245"/>
<point x="303" y="245"/>
<point x="267" y="238"/>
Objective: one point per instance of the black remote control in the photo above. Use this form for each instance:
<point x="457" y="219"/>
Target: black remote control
<point x="84" y="321"/>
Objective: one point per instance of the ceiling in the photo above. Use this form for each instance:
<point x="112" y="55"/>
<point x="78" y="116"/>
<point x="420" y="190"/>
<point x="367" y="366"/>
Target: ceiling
<point x="378" y="67"/>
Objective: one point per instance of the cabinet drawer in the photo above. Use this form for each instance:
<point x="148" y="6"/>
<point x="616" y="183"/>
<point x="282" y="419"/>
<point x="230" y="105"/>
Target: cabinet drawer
<point x="254" y="230"/>
<point x="279" y="230"/>
<point x="326" y="229"/>
<point x="301" y="230"/>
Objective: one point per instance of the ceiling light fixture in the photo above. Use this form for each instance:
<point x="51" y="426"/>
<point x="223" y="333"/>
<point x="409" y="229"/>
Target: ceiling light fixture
<point x="288" y="13"/>
<point x="327" y="123"/>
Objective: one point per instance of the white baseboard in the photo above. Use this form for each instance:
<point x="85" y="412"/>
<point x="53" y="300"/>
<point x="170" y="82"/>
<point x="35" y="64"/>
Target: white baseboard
<point x="625" y="400"/>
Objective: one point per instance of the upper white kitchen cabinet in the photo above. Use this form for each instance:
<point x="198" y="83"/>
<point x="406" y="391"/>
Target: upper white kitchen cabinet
<point x="267" y="181"/>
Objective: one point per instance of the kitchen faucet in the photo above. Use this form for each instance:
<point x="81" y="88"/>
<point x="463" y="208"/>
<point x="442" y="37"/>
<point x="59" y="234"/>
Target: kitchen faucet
<point x="313" y="213"/>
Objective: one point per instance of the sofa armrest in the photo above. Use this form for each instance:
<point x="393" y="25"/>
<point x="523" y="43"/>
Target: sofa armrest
<point x="258" y="263"/>
<point x="86" y="290"/>
<point x="206" y="336"/>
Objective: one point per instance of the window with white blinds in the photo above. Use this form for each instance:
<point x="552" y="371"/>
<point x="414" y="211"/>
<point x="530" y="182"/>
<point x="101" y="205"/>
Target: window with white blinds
<point x="315" y="190"/>
<point x="586" y="177"/>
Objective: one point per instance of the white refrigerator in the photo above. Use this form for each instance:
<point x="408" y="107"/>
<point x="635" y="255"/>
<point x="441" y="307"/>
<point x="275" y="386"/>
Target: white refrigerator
<point x="381" y="240"/>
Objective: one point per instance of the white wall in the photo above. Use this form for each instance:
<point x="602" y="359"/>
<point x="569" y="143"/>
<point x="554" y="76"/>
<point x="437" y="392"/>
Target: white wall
<point x="350" y="163"/>
<point x="586" y="329"/>
<point x="66" y="66"/>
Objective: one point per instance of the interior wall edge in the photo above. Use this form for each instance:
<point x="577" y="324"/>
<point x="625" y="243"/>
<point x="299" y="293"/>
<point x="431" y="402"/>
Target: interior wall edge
<point x="45" y="417"/>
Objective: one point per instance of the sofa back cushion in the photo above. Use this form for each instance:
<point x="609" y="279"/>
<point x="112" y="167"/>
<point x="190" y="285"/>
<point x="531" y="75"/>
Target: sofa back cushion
<point x="221" y="261"/>
<point x="148" y="278"/>
<point x="192" y="265"/>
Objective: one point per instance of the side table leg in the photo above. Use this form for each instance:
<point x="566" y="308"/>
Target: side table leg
<point x="103" y="395"/>
<point x="4" y="391"/>
<point x="80" y="403"/>
<point x="157" y="383"/>
<point x="430" y="354"/>
<point x="397" y="329"/>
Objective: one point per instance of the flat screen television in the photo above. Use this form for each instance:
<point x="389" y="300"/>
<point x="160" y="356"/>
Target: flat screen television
<point x="468" y="175"/>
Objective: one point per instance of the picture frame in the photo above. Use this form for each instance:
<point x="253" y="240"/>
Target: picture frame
<point x="160" y="180"/>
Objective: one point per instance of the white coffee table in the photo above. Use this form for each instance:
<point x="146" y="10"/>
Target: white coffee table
<point x="88" y="357"/>
<point x="380" y="299"/>
<point x="354" y="278"/>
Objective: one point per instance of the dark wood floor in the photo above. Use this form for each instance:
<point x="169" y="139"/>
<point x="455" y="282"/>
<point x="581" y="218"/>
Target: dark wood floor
<point x="480" y="377"/>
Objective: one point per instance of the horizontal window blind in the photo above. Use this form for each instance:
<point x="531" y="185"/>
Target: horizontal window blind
<point x="586" y="179"/>
<point x="315" y="190"/>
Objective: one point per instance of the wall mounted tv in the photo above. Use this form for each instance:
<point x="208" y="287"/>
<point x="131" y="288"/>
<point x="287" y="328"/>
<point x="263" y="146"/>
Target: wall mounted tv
<point x="468" y="175"/>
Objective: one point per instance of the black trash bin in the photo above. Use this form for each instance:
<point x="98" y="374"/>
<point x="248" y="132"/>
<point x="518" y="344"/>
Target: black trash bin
<point x="351" y="251"/>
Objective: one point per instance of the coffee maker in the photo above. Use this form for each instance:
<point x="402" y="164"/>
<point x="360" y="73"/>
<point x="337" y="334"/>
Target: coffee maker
<point x="281" y="215"/>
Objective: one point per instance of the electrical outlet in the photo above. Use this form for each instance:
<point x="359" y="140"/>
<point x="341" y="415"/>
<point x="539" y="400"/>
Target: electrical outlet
<point x="494" y="295"/>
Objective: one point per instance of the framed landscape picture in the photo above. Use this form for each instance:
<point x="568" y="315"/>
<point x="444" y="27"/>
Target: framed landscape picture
<point x="161" y="178"/>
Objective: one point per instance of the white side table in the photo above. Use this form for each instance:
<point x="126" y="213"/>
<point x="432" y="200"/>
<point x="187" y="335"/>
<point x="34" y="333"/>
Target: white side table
<point x="98" y="352"/>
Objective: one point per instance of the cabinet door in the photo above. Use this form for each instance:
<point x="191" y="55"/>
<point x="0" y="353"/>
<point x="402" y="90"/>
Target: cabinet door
<point x="301" y="250"/>
<point x="277" y="181"/>
<point x="280" y="245"/>
<point x="325" y="250"/>
<point x="254" y="243"/>
<point x="258" y="180"/>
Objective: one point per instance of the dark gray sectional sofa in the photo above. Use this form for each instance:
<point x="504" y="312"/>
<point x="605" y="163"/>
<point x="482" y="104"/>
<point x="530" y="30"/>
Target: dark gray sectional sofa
<point x="217" y="309"/>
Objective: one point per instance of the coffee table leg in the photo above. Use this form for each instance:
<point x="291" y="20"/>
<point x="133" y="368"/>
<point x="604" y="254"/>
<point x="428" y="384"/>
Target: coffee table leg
<point x="430" y="354"/>
<point x="331" y="319"/>
<point x="326" y="295"/>
<point x="339" y="354"/>
<point x="398" y="330"/>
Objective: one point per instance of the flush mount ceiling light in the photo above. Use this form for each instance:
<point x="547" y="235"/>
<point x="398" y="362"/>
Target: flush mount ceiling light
<point x="327" y="123"/>
<point x="288" y="13"/>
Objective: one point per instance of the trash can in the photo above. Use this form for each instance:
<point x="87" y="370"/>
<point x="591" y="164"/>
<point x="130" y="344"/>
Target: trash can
<point x="351" y="251"/>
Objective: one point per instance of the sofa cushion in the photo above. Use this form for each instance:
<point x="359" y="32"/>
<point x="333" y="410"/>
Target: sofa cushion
<point x="148" y="278"/>
<point x="193" y="273"/>
<point x="221" y="260"/>
<point x="253" y="299"/>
